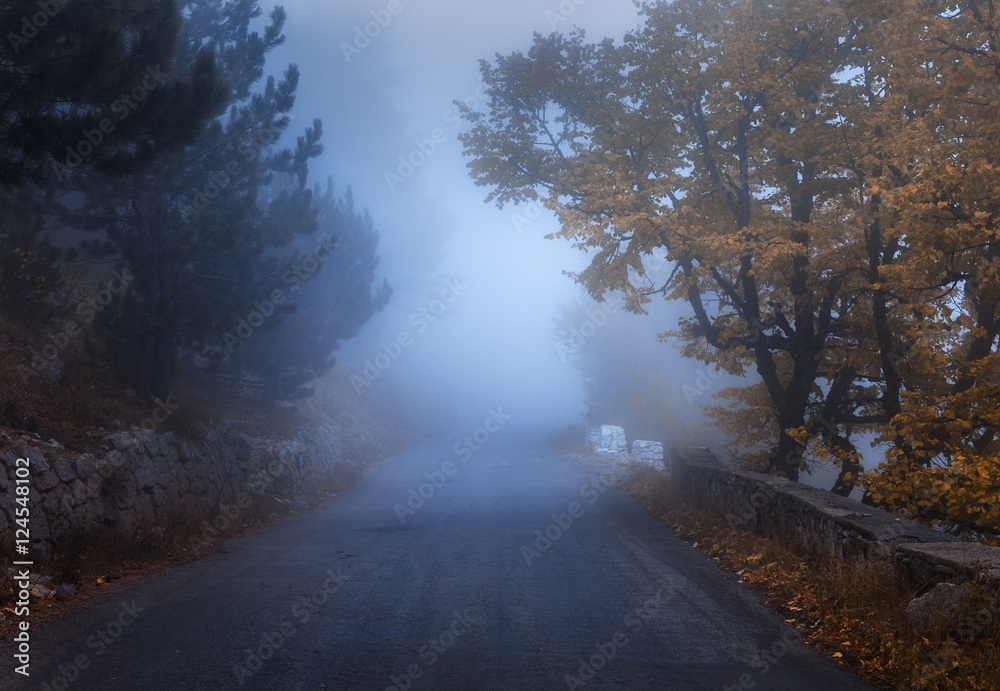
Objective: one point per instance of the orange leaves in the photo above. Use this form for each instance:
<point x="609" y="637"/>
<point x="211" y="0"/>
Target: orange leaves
<point x="958" y="492"/>
<point x="831" y="204"/>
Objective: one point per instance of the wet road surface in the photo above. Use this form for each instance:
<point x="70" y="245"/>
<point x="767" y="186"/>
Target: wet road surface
<point x="503" y="567"/>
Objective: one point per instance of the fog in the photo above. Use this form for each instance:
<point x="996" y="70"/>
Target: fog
<point x="287" y="400"/>
<point x="494" y="343"/>
<point x="477" y="289"/>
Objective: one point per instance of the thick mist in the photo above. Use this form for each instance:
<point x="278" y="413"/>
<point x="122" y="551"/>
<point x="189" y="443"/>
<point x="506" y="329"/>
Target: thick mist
<point x="476" y="288"/>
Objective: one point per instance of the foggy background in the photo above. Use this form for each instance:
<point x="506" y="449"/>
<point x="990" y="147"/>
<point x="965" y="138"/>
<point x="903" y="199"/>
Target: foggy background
<point x="494" y="346"/>
<point x="494" y="343"/>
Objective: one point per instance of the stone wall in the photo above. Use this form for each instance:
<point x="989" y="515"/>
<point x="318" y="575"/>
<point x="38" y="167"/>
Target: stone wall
<point x="139" y="479"/>
<point x="816" y="521"/>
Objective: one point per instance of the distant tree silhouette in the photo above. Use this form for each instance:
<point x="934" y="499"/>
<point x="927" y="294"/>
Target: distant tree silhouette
<point x="330" y="290"/>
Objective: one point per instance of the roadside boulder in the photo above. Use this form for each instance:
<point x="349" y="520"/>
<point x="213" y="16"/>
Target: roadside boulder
<point x="935" y="606"/>
<point x="39" y="590"/>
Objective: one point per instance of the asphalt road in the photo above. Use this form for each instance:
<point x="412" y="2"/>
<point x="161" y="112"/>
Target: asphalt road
<point x="456" y="592"/>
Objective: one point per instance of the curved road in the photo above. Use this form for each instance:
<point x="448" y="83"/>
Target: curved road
<point x="455" y="589"/>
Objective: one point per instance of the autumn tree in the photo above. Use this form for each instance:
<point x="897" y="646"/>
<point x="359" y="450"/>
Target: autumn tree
<point x="709" y="137"/>
<point x="935" y="209"/>
<point x="821" y="177"/>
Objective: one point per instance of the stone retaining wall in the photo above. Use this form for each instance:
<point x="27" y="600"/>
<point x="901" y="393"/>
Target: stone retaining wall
<point x="815" y="521"/>
<point x="140" y="478"/>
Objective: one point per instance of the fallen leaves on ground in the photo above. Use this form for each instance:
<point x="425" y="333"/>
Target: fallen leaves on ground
<point x="853" y="613"/>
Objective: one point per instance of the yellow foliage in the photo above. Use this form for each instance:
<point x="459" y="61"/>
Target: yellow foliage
<point x="823" y="176"/>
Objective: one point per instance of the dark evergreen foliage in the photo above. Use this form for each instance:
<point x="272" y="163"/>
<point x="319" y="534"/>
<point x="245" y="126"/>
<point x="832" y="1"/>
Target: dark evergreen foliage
<point x="90" y="85"/>
<point x="193" y="227"/>
<point x="329" y="287"/>
<point x="150" y="126"/>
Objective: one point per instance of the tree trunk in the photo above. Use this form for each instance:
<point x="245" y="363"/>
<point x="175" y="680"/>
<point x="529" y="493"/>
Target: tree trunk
<point x="849" y="466"/>
<point x="787" y="456"/>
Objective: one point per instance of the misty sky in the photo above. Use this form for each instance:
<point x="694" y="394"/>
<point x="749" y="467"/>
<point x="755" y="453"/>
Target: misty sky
<point x="494" y="346"/>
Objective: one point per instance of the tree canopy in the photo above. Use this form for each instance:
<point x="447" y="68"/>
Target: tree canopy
<point x="819" y="176"/>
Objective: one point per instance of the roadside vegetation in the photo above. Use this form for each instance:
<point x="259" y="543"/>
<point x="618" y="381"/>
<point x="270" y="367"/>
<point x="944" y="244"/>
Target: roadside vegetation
<point x="166" y="260"/>
<point x="852" y="612"/>
<point x="92" y="558"/>
<point x="140" y="263"/>
<point x="101" y="555"/>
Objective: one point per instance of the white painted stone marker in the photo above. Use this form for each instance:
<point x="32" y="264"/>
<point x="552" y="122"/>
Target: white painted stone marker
<point x="612" y="439"/>
<point x="648" y="452"/>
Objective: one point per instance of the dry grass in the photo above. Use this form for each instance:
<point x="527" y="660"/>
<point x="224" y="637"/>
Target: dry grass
<point x="202" y="399"/>
<point x="82" y="405"/>
<point x="852" y="612"/>
<point x="90" y="397"/>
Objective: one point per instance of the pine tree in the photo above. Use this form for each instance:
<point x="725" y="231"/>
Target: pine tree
<point x="90" y="86"/>
<point x="329" y="290"/>
<point x="193" y="228"/>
